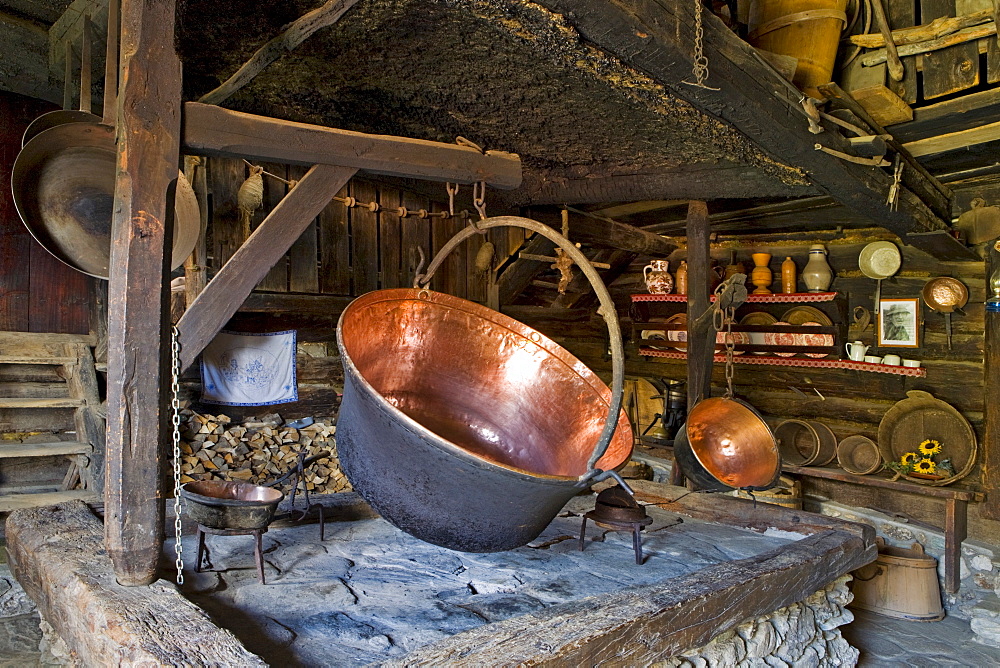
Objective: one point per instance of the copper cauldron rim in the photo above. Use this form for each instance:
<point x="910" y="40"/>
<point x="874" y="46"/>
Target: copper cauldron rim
<point x="449" y="301"/>
<point x="224" y="501"/>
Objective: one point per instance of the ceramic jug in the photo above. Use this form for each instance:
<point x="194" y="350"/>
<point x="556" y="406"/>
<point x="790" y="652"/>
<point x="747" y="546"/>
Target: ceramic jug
<point x="658" y="278"/>
<point x="817" y="275"/>
<point x="856" y="350"/>
<point x="788" y="276"/>
<point x="681" y="278"/>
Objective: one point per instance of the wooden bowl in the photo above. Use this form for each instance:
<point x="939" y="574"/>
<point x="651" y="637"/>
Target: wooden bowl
<point x="805" y="443"/>
<point x="859" y="455"/>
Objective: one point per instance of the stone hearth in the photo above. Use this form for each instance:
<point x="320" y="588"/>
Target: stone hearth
<point x="371" y="594"/>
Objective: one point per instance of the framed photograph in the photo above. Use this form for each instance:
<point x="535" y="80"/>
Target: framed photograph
<point x="899" y="323"/>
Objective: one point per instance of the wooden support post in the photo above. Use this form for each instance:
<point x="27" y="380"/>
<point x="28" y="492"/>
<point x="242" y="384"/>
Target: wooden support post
<point x="956" y="527"/>
<point x="700" y="350"/>
<point x="148" y="154"/>
<point x="991" y="400"/>
<point x="248" y="265"/>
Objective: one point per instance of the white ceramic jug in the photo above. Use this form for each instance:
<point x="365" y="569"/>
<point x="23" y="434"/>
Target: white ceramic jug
<point x="856" y="350"/>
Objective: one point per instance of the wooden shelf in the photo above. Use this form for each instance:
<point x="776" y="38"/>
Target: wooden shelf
<point x="913" y="372"/>
<point x="9" y="502"/>
<point x="32" y="402"/>
<point x="774" y="298"/>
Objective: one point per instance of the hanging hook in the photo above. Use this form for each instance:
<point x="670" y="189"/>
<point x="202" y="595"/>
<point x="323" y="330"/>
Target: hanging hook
<point x="452" y="189"/>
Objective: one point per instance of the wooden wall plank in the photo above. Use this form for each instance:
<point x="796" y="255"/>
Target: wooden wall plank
<point x="274" y="191"/>
<point x="475" y="282"/>
<point x="948" y="70"/>
<point x="390" y="238"/>
<point x="59" y="295"/>
<point x="364" y="238"/>
<point x="451" y="277"/>
<point x="416" y="234"/>
<point x="303" y="256"/>
<point x="991" y="402"/>
<point x="335" y="248"/>
<point x="226" y="175"/>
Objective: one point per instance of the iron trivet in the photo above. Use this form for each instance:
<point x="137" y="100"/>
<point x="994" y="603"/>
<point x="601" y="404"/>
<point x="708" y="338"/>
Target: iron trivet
<point x="258" y="552"/>
<point x="616" y="510"/>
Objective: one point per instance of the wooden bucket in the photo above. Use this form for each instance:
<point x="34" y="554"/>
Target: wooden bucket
<point x="902" y="582"/>
<point x="787" y="493"/>
<point x="859" y="455"/>
<point x="807" y="30"/>
<point x="805" y="443"/>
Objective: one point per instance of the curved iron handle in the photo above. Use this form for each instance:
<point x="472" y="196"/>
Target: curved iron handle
<point x="607" y="311"/>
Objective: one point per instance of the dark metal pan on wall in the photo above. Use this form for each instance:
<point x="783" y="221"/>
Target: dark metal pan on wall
<point x="63" y="184"/>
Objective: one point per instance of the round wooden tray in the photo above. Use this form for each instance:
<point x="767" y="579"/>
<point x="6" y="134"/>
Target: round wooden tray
<point x="918" y="417"/>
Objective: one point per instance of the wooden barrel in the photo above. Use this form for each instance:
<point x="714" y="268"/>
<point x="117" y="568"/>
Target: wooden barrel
<point x="807" y="30"/>
<point x="859" y="455"/>
<point x="805" y="443"/>
<point x="787" y="493"/>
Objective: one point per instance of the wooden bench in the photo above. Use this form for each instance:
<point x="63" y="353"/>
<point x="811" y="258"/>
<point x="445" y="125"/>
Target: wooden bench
<point x="956" y="500"/>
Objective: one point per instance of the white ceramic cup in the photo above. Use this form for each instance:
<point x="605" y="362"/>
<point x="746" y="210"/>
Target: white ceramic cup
<point x="911" y="363"/>
<point x="873" y="359"/>
<point x="856" y="350"/>
<point x="894" y="360"/>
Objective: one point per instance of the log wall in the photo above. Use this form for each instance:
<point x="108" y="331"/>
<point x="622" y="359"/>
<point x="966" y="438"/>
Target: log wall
<point x="852" y="402"/>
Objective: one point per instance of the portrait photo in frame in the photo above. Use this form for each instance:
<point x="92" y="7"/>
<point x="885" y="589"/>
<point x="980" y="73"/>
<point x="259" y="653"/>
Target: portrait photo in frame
<point x="899" y="323"/>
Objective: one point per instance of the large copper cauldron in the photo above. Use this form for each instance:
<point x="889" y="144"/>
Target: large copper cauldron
<point x="726" y="444"/>
<point x="462" y="426"/>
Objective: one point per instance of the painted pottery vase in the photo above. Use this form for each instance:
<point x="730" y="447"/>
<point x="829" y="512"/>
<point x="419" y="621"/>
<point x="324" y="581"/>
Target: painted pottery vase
<point x="761" y="274"/>
<point x="788" y="276"/>
<point x="817" y="274"/>
<point x="681" y="278"/>
<point x="658" y="278"/>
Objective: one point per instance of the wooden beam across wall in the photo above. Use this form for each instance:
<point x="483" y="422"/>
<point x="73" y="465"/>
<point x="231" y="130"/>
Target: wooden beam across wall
<point x="991" y="400"/>
<point x="149" y="119"/>
<point x="214" y="131"/>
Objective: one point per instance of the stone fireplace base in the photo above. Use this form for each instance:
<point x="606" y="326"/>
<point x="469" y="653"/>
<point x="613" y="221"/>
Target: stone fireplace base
<point x="784" y="603"/>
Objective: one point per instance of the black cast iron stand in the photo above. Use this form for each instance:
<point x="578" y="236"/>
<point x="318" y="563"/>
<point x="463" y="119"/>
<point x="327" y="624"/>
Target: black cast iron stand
<point x="256" y="533"/>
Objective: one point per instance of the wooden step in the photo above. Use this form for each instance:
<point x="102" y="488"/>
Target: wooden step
<point x="9" y="502"/>
<point x="36" y="359"/>
<point x="20" y="402"/>
<point x="44" y="449"/>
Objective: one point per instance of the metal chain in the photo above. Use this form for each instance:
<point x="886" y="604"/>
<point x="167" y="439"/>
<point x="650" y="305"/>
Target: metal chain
<point x="175" y="405"/>
<point x="479" y="198"/>
<point x="452" y="189"/>
<point x="700" y="62"/>
<point x="730" y="350"/>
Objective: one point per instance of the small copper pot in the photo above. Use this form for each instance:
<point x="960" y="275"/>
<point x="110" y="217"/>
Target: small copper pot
<point x="725" y="444"/>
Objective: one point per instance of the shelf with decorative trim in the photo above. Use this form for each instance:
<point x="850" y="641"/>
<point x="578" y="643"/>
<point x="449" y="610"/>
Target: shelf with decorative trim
<point x="773" y="298"/>
<point x="913" y="372"/>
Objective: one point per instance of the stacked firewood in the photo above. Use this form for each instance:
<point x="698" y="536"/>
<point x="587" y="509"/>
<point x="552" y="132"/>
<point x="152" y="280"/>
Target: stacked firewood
<point x="258" y="451"/>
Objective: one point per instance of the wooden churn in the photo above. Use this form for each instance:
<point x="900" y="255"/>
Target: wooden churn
<point x="902" y="582"/>
<point x="807" y="30"/>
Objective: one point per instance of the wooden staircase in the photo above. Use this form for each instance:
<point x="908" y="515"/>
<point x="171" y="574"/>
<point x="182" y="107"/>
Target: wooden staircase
<point x="48" y="384"/>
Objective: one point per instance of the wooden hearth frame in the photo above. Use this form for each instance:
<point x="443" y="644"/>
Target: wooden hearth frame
<point x="150" y="138"/>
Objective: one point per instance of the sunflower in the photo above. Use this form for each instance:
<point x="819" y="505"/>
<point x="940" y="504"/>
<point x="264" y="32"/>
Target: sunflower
<point x="930" y="447"/>
<point x="925" y="465"/>
<point x="908" y="458"/>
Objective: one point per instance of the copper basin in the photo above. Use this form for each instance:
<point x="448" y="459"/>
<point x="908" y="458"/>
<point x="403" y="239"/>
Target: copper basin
<point x="461" y="425"/>
<point x="725" y="444"/>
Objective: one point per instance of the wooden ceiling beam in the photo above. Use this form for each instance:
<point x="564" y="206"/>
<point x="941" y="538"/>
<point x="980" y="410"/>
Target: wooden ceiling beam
<point x="608" y="233"/>
<point x="657" y="37"/>
<point x="214" y="131"/>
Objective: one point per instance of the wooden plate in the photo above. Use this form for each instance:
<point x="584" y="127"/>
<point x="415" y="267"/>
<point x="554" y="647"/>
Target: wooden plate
<point x="806" y="315"/>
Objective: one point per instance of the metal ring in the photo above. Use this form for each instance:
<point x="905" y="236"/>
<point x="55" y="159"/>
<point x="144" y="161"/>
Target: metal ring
<point x="536" y="337"/>
<point x="424" y="294"/>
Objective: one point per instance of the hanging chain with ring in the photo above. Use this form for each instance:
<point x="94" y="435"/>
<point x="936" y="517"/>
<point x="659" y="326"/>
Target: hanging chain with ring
<point x="728" y="295"/>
